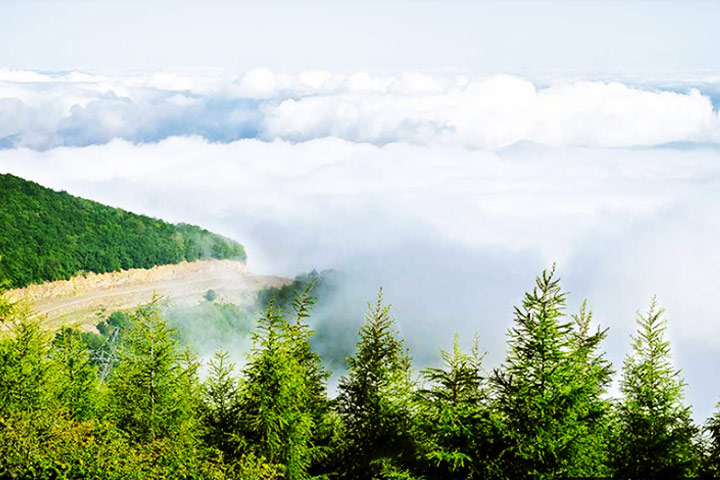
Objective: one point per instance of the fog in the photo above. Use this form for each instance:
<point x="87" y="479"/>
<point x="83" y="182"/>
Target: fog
<point x="617" y="184"/>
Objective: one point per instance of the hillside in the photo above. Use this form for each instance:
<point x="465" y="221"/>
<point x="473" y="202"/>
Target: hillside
<point x="47" y="235"/>
<point x="83" y="299"/>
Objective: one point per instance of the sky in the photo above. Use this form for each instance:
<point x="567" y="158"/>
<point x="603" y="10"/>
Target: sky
<point x="500" y="36"/>
<point x="447" y="151"/>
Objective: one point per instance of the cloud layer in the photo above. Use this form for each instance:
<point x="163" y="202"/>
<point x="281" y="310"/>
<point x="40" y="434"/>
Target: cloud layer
<point x="45" y="110"/>
<point x="450" y="191"/>
<point x="453" y="234"/>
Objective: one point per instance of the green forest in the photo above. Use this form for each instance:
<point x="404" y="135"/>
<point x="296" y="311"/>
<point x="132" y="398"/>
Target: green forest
<point x="47" y="235"/>
<point x="134" y="405"/>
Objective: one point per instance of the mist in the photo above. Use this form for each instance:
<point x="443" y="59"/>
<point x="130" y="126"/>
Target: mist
<point x="454" y="235"/>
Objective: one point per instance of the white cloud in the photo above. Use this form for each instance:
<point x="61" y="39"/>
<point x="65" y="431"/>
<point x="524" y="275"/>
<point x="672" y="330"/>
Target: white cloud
<point x="41" y="110"/>
<point x="451" y="191"/>
<point x="454" y="234"/>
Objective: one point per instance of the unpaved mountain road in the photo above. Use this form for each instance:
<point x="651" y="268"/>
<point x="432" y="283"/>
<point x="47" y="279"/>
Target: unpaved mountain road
<point x="83" y="300"/>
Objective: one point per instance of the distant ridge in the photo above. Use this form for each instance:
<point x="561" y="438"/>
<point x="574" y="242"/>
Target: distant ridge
<point x="47" y="235"/>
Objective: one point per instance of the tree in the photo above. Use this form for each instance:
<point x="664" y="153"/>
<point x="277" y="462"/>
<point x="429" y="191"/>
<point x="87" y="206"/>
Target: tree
<point x="210" y="295"/>
<point x="76" y="381"/>
<point x="279" y="395"/>
<point x="548" y="390"/>
<point x="457" y="426"/>
<point x="153" y="387"/>
<point x="25" y="370"/>
<point x="220" y="405"/>
<point x="711" y="459"/>
<point x="655" y="432"/>
<point x="374" y="399"/>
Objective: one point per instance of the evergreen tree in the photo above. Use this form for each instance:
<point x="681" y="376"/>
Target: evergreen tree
<point x="152" y="388"/>
<point x="591" y="412"/>
<point x="278" y="397"/>
<point x="548" y="390"/>
<point x="299" y="335"/>
<point x="220" y="405"/>
<point x="374" y="400"/>
<point x="25" y="370"/>
<point x="457" y="426"/>
<point x="711" y="458"/>
<point x="654" y="429"/>
<point x="76" y="381"/>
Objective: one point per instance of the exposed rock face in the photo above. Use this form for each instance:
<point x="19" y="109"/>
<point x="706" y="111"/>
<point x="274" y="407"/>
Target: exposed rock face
<point x="83" y="299"/>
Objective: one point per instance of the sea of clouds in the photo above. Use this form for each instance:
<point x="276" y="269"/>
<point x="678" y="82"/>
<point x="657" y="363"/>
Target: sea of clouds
<point x="46" y="110"/>
<point x="451" y="191"/>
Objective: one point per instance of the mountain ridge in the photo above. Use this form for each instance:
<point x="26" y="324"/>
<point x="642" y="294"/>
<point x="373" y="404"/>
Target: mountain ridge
<point x="48" y="235"/>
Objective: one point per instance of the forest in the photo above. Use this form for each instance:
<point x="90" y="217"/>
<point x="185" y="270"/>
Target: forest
<point x="142" y="410"/>
<point x="47" y="235"/>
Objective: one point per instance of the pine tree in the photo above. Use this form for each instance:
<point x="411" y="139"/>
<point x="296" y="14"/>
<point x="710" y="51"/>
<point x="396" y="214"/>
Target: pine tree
<point x="374" y="400"/>
<point x="278" y="396"/>
<point x="152" y="389"/>
<point x="220" y="405"/>
<point x="591" y="412"/>
<point x="711" y="458"/>
<point x="299" y="335"/>
<point x="457" y="426"/>
<point x="25" y="370"/>
<point x="76" y="380"/>
<point x="654" y="428"/>
<point x="548" y="390"/>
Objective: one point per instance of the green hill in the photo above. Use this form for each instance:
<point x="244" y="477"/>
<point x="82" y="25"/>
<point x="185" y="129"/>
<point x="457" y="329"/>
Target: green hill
<point x="48" y="235"/>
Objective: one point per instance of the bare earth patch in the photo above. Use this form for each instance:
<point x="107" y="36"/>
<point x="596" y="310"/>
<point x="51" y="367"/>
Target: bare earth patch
<point x="84" y="299"/>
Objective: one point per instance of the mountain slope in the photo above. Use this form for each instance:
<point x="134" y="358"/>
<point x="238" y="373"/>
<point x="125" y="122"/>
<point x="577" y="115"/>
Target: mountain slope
<point x="47" y="235"/>
<point x="83" y="299"/>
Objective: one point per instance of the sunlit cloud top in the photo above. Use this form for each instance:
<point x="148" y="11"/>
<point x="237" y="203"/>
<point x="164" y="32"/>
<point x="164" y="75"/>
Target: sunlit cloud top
<point x="44" y="110"/>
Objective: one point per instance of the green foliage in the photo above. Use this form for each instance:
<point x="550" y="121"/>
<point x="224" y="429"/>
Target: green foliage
<point x="220" y="406"/>
<point x="208" y="325"/>
<point x="654" y="431"/>
<point x="283" y="297"/>
<point x="456" y="423"/>
<point x="26" y="373"/>
<point x="374" y="399"/>
<point x="118" y="319"/>
<point x="548" y="390"/>
<point x="154" y="387"/>
<point x="278" y="394"/>
<point x="543" y="414"/>
<point x="47" y="235"/>
<point x="710" y="467"/>
<point x="210" y="295"/>
<point x="76" y="376"/>
<point x="6" y="306"/>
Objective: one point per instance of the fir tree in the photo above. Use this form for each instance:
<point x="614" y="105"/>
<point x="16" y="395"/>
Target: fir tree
<point x="299" y="335"/>
<point x="151" y="388"/>
<point x="457" y="426"/>
<point x="548" y="390"/>
<point x="76" y="378"/>
<point x="220" y="405"/>
<point x="654" y="429"/>
<point x="25" y="370"/>
<point x="374" y="400"/>
<point x="278" y="397"/>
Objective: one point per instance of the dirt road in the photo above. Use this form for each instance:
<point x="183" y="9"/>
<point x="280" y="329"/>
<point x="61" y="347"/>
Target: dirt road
<point x="83" y="300"/>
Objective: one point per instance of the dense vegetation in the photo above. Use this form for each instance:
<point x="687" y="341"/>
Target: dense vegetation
<point x="48" y="235"/>
<point x="543" y="413"/>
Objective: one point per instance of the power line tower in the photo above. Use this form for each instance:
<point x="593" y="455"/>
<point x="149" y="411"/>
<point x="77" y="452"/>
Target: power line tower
<point x="106" y="356"/>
